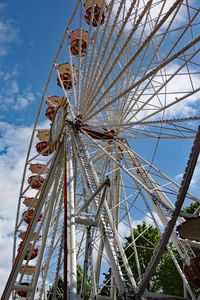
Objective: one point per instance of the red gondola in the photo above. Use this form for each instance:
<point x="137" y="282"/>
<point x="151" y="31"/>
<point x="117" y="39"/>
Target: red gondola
<point x="99" y="134"/>
<point x="38" y="168"/>
<point x="55" y="101"/>
<point x="36" y="181"/>
<point x="94" y="132"/>
<point x="22" y="293"/>
<point x="32" y="250"/>
<point x="51" y="112"/>
<point x="66" y="76"/>
<point x="27" y="216"/>
<point x="96" y="12"/>
<point x="79" y="38"/>
<point x="44" y="148"/>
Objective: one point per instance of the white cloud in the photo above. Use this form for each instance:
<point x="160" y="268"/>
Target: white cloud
<point x="125" y="231"/>
<point x="23" y="101"/>
<point x="14" y="141"/>
<point x="154" y="14"/>
<point x="13" y="147"/>
<point x="179" y="86"/>
<point x="195" y="178"/>
<point x="9" y="34"/>
<point x="17" y="98"/>
<point x="6" y="245"/>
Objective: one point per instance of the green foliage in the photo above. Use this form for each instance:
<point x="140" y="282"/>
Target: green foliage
<point x="167" y="278"/>
<point x="192" y="208"/>
<point x="166" y="270"/>
<point x="106" y="289"/>
<point x="79" y="282"/>
<point x="60" y="286"/>
<point x="59" y="290"/>
<point x="145" y="246"/>
<point x="79" y="278"/>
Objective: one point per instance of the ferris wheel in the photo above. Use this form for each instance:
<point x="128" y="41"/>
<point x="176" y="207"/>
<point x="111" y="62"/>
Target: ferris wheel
<point x="125" y="78"/>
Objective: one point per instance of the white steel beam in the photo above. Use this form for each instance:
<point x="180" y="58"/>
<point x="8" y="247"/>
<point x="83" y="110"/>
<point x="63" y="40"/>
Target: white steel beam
<point x="71" y="221"/>
<point x="19" y="259"/>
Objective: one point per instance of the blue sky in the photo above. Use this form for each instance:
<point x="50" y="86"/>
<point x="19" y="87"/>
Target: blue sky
<point x="30" y="33"/>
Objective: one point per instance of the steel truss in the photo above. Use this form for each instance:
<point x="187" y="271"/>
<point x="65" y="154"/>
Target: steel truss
<point x="121" y="91"/>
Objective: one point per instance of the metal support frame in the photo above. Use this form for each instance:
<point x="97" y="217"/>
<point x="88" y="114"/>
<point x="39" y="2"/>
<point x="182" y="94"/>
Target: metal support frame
<point x="19" y="258"/>
<point x="56" y="190"/>
<point x="65" y="229"/>
<point x="85" y="205"/>
<point x="72" y="272"/>
<point x="151" y="192"/>
<point x="169" y="228"/>
<point x="153" y="296"/>
<point x="102" y="198"/>
<point x="97" y="103"/>
<point x="112" y="241"/>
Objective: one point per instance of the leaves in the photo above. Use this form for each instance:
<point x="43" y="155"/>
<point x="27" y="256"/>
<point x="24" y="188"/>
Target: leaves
<point x="192" y="208"/>
<point x="147" y="238"/>
<point x="60" y="286"/>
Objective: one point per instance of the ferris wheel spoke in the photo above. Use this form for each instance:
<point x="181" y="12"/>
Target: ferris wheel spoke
<point x="177" y="100"/>
<point x="111" y="31"/>
<point x="131" y="72"/>
<point x="162" y="121"/>
<point x="125" y="45"/>
<point x="158" y="175"/>
<point x="179" y="202"/>
<point x="92" y="65"/>
<point x="148" y="75"/>
<point x="92" y="41"/>
<point x="80" y="60"/>
<point x="118" y="56"/>
<point x="52" y="246"/>
<point x="132" y="234"/>
<point x="73" y="83"/>
<point x="158" y="45"/>
<point x="124" y="168"/>
<point x="174" y="239"/>
<point x="171" y="131"/>
<point x="168" y="248"/>
<point x="186" y="94"/>
<point x="167" y="126"/>
<point x="145" y="42"/>
<point x="141" y="94"/>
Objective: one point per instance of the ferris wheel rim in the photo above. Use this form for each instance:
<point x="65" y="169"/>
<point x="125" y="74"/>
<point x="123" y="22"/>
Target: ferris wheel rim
<point x="75" y="108"/>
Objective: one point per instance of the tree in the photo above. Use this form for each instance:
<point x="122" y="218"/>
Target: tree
<point x="60" y="286"/>
<point x="59" y="290"/>
<point x="192" y="207"/>
<point x="147" y="237"/>
<point x="79" y="282"/>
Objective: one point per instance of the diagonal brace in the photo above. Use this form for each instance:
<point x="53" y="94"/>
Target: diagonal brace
<point x="178" y="205"/>
<point x="101" y="186"/>
<point x="102" y="197"/>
